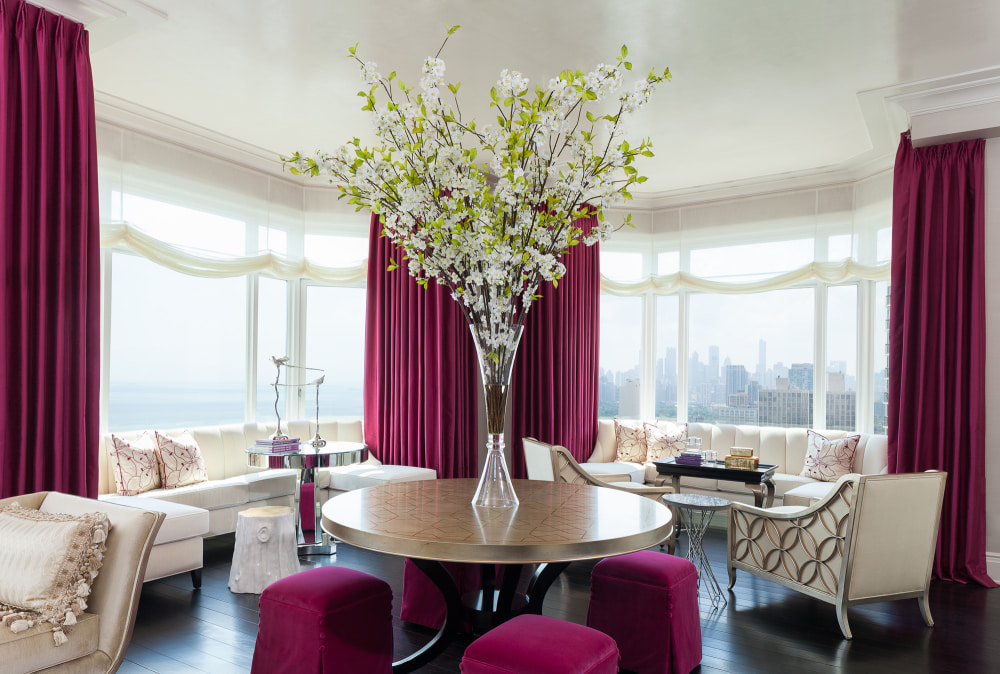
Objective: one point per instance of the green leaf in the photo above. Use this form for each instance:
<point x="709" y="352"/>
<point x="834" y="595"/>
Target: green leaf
<point x="624" y="51"/>
<point x="451" y="29"/>
<point x="353" y="50"/>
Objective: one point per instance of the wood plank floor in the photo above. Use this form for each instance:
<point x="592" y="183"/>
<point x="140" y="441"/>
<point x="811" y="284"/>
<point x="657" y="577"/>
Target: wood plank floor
<point x="765" y="627"/>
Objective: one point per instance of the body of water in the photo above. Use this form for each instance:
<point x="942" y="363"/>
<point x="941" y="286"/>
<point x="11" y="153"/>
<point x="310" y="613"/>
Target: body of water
<point x="147" y="406"/>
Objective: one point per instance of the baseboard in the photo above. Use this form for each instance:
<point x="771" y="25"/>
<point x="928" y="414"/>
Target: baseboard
<point x="993" y="565"/>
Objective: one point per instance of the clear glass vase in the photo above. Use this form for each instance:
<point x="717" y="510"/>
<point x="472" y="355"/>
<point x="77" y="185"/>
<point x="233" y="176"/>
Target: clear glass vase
<point x="495" y="489"/>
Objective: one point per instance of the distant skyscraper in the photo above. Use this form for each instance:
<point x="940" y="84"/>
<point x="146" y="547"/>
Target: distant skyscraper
<point x="737" y="379"/>
<point x="713" y="363"/>
<point x="801" y="376"/>
<point x="761" y="360"/>
<point x="670" y="362"/>
<point x="628" y="399"/>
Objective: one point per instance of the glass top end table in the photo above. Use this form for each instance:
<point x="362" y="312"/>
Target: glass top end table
<point x="694" y="512"/>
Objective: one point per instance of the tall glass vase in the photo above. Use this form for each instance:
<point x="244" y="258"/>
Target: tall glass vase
<point x="495" y="489"/>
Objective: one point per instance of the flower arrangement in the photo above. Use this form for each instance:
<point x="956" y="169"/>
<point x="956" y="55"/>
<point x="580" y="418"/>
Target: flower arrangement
<point x="488" y="210"/>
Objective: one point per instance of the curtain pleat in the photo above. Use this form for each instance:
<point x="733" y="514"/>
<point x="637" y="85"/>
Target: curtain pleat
<point x="420" y="397"/>
<point x="937" y="341"/>
<point x="50" y="245"/>
<point x="555" y="382"/>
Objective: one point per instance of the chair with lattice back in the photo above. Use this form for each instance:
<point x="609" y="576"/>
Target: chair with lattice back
<point x="871" y="539"/>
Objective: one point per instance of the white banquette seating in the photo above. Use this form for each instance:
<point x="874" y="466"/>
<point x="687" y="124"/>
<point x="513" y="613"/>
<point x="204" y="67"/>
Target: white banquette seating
<point x="211" y="508"/>
<point x="785" y="447"/>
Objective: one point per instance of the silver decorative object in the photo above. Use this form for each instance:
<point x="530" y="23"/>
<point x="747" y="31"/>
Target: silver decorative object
<point x="278" y="362"/>
<point x="317" y="441"/>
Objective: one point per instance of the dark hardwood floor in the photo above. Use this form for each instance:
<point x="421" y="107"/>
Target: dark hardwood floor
<point x="765" y="627"/>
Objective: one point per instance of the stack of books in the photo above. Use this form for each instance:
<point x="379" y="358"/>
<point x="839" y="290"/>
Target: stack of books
<point x="278" y="445"/>
<point x="688" y="459"/>
<point x="742" y="462"/>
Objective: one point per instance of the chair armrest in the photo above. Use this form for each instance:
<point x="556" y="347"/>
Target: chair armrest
<point x="614" y="477"/>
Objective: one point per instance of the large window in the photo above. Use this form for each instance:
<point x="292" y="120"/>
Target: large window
<point x="620" y="357"/>
<point x="842" y="358"/>
<point x="751" y="358"/>
<point x="177" y="347"/>
<point x="335" y="342"/>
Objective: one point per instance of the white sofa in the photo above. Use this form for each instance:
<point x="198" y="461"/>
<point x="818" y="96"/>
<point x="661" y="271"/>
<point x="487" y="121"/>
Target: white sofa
<point x="210" y="508"/>
<point x="785" y="447"/>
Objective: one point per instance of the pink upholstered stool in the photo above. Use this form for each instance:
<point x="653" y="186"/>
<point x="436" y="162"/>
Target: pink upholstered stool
<point x="648" y="602"/>
<point x="534" y="644"/>
<point x="325" y="620"/>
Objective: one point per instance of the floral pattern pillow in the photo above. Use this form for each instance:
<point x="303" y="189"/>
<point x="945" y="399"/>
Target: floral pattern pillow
<point x="665" y="439"/>
<point x="135" y="464"/>
<point x="181" y="460"/>
<point x="630" y="437"/>
<point x="829" y="460"/>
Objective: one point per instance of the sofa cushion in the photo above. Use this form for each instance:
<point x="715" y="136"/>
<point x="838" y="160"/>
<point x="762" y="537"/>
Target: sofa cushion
<point x="782" y="483"/>
<point x="361" y="475"/>
<point x="208" y="495"/>
<point x="269" y="483"/>
<point x="180" y="460"/>
<point x="635" y="471"/>
<point x="134" y="463"/>
<point x="807" y="494"/>
<point x="33" y="649"/>
<point x="829" y="460"/>
<point x="182" y="521"/>
<point x="630" y="439"/>
<point x="664" y="439"/>
<point x="47" y="564"/>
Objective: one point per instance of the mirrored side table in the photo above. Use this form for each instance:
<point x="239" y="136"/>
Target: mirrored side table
<point x="694" y="512"/>
<point x="307" y="460"/>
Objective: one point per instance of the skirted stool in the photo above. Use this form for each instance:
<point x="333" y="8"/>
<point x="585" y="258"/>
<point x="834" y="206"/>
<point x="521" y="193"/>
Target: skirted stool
<point x="648" y="603"/>
<point x="325" y="620"/>
<point x="534" y="644"/>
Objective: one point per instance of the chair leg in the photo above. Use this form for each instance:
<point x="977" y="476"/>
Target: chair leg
<point x="732" y="577"/>
<point x="925" y="608"/>
<point x="196" y="579"/>
<point x="842" y="619"/>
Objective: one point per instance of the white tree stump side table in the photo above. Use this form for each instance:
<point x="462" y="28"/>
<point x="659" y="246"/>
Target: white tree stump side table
<point x="265" y="549"/>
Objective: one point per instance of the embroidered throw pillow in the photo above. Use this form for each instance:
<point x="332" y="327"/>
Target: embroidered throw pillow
<point x="828" y="460"/>
<point x="630" y="437"/>
<point x="47" y="564"/>
<point x="180" y="460"/>
<point x="135" y="464"/>
<point x="665" y="439"/>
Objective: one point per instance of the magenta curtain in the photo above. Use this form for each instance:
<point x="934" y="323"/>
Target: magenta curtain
<point x="937" y="341"/>
<point x="554" y="388"/>
<point x="420" y="394"/>
<point x="50" y="247"/>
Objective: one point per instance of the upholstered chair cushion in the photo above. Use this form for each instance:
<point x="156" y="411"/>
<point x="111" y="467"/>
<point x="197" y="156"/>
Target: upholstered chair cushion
<point x="664" y="439"/>
<point x="135" y="464"/>
<point x="47" y="564"/>
<point x="181" y="460"/>
<point x="829" y="460"/>
<point x="630" y="437"/>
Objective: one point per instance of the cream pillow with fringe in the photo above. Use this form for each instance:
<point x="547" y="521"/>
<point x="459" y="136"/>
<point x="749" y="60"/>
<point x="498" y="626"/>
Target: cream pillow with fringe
<point x="47" y="564"/>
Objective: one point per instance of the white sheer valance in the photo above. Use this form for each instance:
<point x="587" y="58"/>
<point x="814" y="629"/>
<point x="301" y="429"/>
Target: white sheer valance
<point x="123" y="236"/>
<point x="827" y="272"/>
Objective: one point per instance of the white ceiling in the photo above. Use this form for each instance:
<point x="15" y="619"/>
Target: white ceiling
<point x="760" y="89"/>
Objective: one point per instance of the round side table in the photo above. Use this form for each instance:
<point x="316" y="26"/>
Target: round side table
<point x="694" y="512"/>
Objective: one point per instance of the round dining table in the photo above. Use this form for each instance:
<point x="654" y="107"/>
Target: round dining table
<point x="434" y="521"/>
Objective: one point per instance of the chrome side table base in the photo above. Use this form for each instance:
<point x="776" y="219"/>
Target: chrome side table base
<point x="694" y="513"/>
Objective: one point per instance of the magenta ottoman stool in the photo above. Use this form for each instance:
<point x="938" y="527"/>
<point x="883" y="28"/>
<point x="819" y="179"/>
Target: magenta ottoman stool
<point x="534" y="644"/>
<point x="324" y="620"/>
<point x="648" y="603"/>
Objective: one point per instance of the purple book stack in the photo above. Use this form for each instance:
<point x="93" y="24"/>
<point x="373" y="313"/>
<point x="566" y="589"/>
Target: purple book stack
<point x="688" y="459"/>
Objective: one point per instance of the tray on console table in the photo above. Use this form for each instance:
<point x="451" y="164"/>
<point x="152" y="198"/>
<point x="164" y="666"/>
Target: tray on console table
<point x="757" y="480"/>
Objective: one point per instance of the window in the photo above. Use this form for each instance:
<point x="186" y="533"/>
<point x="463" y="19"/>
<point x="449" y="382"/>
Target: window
<point x="665" y="396"/>
<point x="335" y="342"/>
<point x="881" y="357"/>
<point x="177" y="348"/>
<point x="621" y="356"/>
<point x="842" y="358"/>
<point x="751" y="358"/>
<point x="272" y="330"/>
